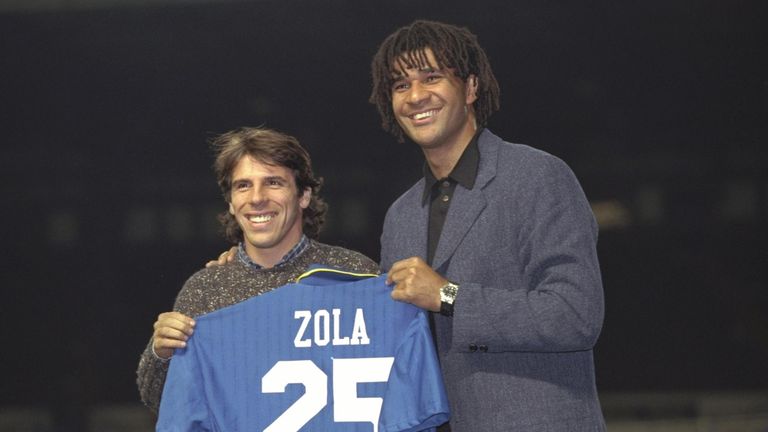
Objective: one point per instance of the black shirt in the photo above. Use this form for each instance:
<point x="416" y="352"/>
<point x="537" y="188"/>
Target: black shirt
<point x="438" y="193"/>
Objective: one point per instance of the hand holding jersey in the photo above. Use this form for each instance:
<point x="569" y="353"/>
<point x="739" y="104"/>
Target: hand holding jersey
<point x="360" y="358"/>
<point x="415" y="282"/>
<point x="172" y="330"/>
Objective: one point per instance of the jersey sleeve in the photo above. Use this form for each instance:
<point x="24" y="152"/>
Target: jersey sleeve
<point x="415" y="399"/>
<point x="183" y="407"/>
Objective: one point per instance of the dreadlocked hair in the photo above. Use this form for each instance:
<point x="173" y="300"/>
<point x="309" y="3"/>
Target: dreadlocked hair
<point x="453" y="47"/>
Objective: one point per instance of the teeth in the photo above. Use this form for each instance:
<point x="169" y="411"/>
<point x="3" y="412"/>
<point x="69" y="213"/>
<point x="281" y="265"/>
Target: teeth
<point x="423" y="115"/>
<point x="260" y="218"/>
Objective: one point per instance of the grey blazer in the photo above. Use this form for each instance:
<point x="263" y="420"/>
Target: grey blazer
<point x="517" y="354"/>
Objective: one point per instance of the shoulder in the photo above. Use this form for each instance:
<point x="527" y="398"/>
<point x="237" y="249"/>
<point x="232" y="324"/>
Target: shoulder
<point x="409" y="198"/>
<point x="205" y="276"/>
<point x="520" y="156"/>
<point x="342" y="258"/>
<point x="206" y="289"/>
<point x="521" y="163"/>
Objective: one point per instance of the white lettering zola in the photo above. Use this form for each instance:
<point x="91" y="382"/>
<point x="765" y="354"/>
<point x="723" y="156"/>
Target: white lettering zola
<point x="326" y="328"/>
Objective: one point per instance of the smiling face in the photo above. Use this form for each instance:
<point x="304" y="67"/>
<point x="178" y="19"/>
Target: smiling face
<point x="433" y="106"/>
<point x="268" y="208"/>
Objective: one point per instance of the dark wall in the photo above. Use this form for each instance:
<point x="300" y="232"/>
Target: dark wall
<point x="109" y="200"/>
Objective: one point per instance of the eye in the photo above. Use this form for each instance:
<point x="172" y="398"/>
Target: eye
<point x="399" y="86"/>
<point x="240" y="185"/>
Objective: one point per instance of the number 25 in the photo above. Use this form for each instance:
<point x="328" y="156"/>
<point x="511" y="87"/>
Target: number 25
<point x="346" y="374"/>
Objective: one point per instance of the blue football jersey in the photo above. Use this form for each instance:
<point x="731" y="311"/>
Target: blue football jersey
<point x="332" y="352"/>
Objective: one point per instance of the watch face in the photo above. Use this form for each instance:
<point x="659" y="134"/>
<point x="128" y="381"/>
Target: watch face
<point x="447" y="297"/>
<point x="448" y="292"/>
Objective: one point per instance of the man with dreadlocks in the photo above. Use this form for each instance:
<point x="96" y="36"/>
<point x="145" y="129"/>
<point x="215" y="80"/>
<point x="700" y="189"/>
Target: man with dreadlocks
<point x="497" y="240"/>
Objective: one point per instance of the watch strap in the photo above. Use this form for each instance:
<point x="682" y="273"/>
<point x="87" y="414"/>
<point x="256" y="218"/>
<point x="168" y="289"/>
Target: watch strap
<point x="448" y="294"/>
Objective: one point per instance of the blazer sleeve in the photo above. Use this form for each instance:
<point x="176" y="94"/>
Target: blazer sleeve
<point x="548" y="295"/>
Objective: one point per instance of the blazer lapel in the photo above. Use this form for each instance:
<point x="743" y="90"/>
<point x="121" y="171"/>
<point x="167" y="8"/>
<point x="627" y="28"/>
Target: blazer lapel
<point x="460" y="219"/>
<point x="467" y="204"/>
<point x="414" y="231"/>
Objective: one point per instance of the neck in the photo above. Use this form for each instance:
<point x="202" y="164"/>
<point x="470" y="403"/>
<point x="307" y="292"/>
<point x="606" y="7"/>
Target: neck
<point x="442" y="159"/>
<point x="269" y="257"/>
<point x="263" y="258"/>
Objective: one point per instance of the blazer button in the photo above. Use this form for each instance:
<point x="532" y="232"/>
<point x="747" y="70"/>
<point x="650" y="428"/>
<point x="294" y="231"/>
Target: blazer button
<point x="472" y="347"/>
<point x="483" y="348"/>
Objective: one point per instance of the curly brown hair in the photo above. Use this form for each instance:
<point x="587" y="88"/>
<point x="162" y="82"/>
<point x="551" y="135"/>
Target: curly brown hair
<point x="273" y="148"/>
<point x="453" y="47"/>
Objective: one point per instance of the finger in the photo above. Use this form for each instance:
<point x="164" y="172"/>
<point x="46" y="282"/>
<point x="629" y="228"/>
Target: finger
<point x="232" y="254"/>
<point x="413" y="261"/>
<point x="400" y="289"/>
<point x="399" y="265"/>
<point x="391" y="277"/>
<point x="222" y="258"/>
<point x="398" y="271"/>
<point x="170" y="334"/>
<point x="397" y="277"/>
<point x="397" y="294"/>
<point x="164" y="344"/>
<point x="406" y="295"/>
<point x="177" y="315"/>
<point x="176" y="326"/>
<point x="409" y="263"/>
<point x="227" y="256"/>
<point x="177" y="322"/>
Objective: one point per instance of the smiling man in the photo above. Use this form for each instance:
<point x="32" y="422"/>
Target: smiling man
<point x="275" y="216"/>
<point x="497" y="241"/>
<point x="267" y="205"/>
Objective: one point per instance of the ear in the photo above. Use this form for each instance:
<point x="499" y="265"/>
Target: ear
<point x="231" y="209"/>
<point x="305" y="198"/>
<point x="471" y="86"/>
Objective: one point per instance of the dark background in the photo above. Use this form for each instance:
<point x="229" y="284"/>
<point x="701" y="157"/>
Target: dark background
<point x="109" y="200"/>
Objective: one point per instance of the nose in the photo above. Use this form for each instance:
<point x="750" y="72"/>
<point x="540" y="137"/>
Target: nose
<point x="417" y="93"/>
<point x="257" y="196"/>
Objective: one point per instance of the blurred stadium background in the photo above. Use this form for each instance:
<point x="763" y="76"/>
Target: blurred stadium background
<point x="660" y="107"/>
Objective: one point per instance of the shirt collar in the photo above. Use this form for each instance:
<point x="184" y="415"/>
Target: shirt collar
<point x="295" y="251"/>
<point x="464" y="173"/>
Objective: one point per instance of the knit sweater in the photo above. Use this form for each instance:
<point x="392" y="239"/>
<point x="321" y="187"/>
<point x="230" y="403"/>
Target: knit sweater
<point x="217" y="287"/>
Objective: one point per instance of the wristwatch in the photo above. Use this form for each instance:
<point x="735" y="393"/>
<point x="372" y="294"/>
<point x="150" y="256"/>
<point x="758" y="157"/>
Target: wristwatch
<point x="447" y="297"/>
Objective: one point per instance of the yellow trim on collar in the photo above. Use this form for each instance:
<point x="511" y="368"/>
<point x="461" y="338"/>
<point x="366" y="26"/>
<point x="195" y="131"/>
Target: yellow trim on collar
<point x="330" y="270"/>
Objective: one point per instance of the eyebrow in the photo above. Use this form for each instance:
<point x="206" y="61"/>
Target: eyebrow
<point x="398" y="74"/>
<point x="275" y="177"/>
<point x="267" y="178"/>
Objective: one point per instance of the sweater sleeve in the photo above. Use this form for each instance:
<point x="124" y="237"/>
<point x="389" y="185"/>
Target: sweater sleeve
<point x="151" y="373"/>
<point x="150" y="378"/>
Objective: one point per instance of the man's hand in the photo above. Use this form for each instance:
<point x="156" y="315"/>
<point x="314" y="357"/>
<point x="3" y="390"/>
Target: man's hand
<point x="172" y="330"/>
<point x="225" y="257"/>
<point x="416" y="283"/>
